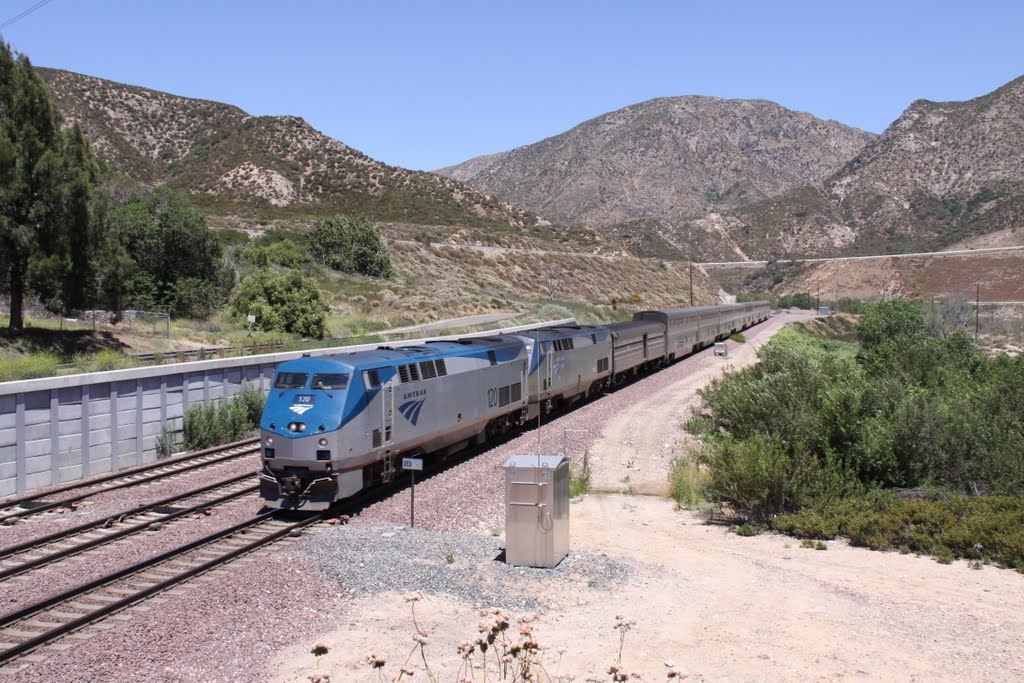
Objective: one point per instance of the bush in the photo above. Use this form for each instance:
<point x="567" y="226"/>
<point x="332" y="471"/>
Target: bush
<point x="579" y="484"/>
<point x="286" y="253"/>
<point x="196" y="298"/>
<point x="107" y="359"/>
<point x="756" y="475"/>
<point x="289" y="302"/>
<point x="945" y="524"/>
<point x="350" y="244"/>
<point x="818" y="429"/>
<point x="210" y="424"/>
<point x="687" y="482"/>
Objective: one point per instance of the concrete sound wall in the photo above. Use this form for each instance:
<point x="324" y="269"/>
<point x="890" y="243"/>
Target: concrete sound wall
<point x="59" y="429"/>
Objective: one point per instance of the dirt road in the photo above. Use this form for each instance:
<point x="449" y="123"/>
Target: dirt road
<point x="637" y="446"/>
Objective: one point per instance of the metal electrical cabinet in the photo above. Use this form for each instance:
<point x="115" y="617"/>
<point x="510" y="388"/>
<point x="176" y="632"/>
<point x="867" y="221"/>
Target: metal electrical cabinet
<point x="536" y="510"/>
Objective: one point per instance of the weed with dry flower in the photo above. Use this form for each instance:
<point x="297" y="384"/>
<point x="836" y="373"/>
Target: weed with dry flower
<point x="504" y="649"/>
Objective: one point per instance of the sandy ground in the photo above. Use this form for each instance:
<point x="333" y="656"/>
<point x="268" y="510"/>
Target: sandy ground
<point x="636" y="448"/>
<point x="714" y="605"/>
<point x="723" y="607"/>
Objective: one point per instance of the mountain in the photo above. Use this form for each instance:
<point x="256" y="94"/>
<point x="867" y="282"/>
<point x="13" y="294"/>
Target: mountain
<point x="941" y="173"/>
<point x="665" y="159"/>
<point x="249" y="169"/>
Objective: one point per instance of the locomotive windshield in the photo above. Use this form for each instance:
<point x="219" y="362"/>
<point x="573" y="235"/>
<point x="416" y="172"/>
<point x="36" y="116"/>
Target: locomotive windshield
<point x="290" y="380"/>
<point x="329" y="380"/>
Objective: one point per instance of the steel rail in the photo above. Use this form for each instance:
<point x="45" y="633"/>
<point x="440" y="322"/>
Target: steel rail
<point x="11" y="553"/>
<point x="158" y="470"/>
<point x="103" y="611"/>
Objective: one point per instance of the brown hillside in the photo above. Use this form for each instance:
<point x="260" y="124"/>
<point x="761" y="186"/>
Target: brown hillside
<point x="255" y="169"/>
<point x="665" y="160"/>
<point x="941" y="173"/>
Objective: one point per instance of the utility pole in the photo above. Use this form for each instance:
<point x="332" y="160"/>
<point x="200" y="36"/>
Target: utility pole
<point x="691" y="283"/>
<point x="977" y="305"/>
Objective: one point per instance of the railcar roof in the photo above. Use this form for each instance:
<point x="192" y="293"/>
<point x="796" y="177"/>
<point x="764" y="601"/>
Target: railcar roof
<point x="563" y="332"/>
<point x="704" y="309"/>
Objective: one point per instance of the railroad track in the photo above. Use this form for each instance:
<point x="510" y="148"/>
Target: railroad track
<point x="13" y="509"/>
<point x="45" y="550"/>
<point x="37" y="625"/>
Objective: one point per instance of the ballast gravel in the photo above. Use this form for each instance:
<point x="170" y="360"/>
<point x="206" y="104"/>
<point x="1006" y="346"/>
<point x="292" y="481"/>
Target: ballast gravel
<point x="106" y="503"/>
<point x="379" y="559"/>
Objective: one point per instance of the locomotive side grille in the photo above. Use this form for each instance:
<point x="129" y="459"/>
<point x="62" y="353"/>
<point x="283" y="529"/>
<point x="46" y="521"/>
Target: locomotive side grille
<point x="442" y="370"/>
<point x="414" y="372"/>
<point x="602" y="365"/>
<point x="403" y="373"/>
<point x="504" y="394"/>
<point x="517" y="392"/>
<point x="427" y="370"/>
<point x="376" y="438"/>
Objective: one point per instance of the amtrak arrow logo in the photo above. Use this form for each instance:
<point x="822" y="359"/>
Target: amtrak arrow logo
<point x="299" y="409"/>
<point x="411" y="410"/>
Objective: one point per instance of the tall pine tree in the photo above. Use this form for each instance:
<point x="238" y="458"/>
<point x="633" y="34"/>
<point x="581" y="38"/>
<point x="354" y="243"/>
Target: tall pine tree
<point x="51" y="204"/>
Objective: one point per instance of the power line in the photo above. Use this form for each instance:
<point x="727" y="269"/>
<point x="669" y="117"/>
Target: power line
<point x="24" y="14"/>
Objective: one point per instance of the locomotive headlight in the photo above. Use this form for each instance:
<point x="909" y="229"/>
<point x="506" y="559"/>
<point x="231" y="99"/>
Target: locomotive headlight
<point x="270" y="441"/>
<point x="322" y="442"/>
<point x="296" y="427"/>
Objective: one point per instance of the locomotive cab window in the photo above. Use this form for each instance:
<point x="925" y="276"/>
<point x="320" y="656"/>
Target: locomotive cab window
<point x="291" y="380"/>
<point x="330" y="380"/>
<point x="371" y="378"/>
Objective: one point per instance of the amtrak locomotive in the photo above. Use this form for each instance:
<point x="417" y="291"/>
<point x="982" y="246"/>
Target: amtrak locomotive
<point x="335" y="425"/>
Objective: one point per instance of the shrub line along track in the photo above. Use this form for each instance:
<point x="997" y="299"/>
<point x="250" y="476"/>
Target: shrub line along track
<point x="17" y="508"/>
<point x="59" y="615"/>
<point x="18" y="559"/>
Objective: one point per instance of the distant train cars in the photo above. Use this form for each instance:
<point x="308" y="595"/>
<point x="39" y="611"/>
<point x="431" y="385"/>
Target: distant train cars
<point x="335" y="425"/>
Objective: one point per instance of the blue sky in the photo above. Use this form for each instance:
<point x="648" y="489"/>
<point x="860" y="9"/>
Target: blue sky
<point x="427" y="84"/>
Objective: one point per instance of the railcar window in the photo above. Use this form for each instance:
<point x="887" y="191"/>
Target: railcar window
<point x="290" y="380"/>
<point x="330" y="380"/>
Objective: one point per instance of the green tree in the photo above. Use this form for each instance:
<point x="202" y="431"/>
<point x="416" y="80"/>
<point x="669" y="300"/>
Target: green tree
<point x="350" y="244"/>
<point x="51" y="202"/>
<point x="895" y="321"/>
<point x="288" y="302"/>
<point x="178" y="262"/>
